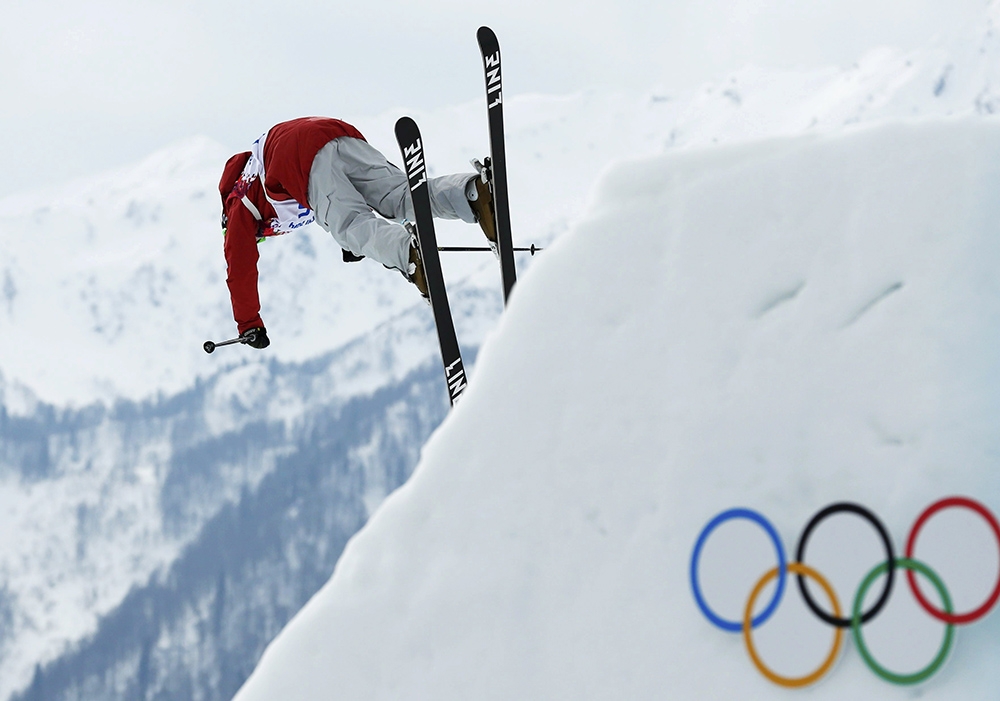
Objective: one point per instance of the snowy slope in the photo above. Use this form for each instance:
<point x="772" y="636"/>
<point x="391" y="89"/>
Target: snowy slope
<point x="809" y="320"/>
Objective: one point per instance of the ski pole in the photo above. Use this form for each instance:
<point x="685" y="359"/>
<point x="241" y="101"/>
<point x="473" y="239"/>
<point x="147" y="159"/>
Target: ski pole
<point x="210" y="346"/>
<point x="533" y="248"/>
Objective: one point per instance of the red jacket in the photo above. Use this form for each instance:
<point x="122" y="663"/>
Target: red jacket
<point x="288" y="153"/>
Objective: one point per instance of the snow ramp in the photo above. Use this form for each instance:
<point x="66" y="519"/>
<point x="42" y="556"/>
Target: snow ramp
<point x="779" y="326"/>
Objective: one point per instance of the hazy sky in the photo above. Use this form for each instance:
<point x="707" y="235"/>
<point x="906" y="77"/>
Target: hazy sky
<point x="91" y="85"/>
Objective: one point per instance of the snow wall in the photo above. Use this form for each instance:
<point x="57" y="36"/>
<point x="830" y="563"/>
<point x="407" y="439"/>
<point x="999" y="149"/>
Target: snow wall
<point x="778" y="326"/>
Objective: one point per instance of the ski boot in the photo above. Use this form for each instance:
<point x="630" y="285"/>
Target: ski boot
<point x="481" y="202"/>
<point x="415" y="272"/>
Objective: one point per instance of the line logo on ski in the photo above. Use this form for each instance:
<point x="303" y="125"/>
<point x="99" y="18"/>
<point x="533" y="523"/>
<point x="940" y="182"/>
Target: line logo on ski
<point x="455" y="377"/>
<point x="493" y="82"/>
<point x="416" y="170"/>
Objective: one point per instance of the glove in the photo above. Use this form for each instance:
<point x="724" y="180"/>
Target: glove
<point x="255" y="338"/>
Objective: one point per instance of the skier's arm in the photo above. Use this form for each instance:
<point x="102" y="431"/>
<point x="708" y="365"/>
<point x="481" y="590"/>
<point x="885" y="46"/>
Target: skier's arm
<point x="241" y="267"/>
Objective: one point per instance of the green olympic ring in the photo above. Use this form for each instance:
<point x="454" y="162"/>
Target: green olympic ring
<point x="949" y="634"/>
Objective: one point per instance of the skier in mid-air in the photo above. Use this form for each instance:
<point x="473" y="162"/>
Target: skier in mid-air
<point x="322" y="169"/>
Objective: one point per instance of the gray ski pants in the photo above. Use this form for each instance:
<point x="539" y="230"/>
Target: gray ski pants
<point x="349" y="178"/>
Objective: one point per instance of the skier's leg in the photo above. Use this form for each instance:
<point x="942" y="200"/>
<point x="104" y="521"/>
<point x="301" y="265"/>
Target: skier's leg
<point x="450" y="197"/>
<point x="344" y="212"/>
<point x="384" y="186"/>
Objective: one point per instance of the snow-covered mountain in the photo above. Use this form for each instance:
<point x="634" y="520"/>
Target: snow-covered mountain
<point x="108" y="286"/>
<point x="194" y="629"/>
<point x="104" y="505"/>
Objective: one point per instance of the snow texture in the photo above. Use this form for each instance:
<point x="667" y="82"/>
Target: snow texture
<point x="811" y="319"/>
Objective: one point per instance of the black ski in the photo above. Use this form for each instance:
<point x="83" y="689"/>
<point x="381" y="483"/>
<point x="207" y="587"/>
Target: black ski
<point x="411" y="145"/>
<point x="496" y="167"/>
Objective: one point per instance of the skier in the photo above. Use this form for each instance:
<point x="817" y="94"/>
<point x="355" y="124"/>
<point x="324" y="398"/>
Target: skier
<point x="322" y="169"/>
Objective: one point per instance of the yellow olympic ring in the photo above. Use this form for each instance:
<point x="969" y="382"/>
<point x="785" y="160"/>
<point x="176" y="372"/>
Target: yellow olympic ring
<point x="792" y="682"/>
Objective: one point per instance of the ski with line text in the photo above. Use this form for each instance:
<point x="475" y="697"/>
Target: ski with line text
<point x="495" y="167"/>
<point x="412" y="147"/>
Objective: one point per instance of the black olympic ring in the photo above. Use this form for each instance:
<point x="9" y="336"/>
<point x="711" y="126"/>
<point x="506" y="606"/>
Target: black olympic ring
<point x="890" y="561"/>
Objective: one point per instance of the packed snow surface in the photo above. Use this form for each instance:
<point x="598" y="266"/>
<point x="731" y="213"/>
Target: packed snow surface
<point x="777" y="325"/>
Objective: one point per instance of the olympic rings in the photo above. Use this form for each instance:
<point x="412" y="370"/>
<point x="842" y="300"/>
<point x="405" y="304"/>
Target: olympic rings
<point x="948" y="616"/>
<point x="737" y="626"/>
<point x="800" y="570"/>
<point x="858" y="617"/>
<point x="910" y="566"/>
<point x="800" y="556"/>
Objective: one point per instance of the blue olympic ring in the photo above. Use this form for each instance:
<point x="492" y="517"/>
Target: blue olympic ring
<point x="737" y="626"/>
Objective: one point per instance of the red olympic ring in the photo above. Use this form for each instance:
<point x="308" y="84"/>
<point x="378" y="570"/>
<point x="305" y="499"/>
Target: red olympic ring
<point x="955" y="618"/>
